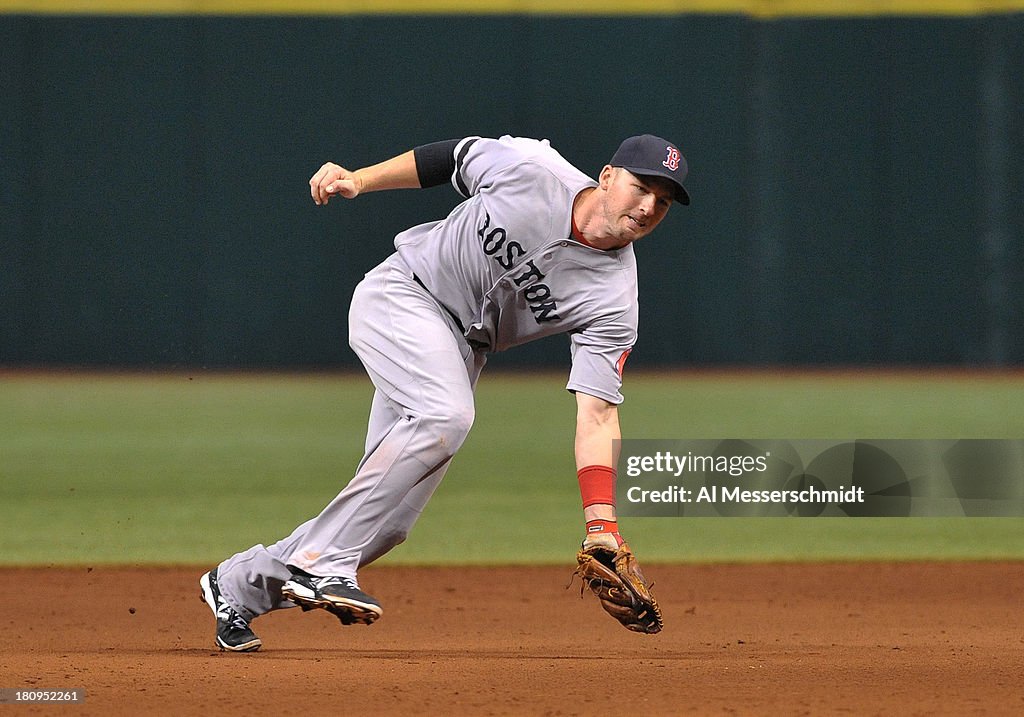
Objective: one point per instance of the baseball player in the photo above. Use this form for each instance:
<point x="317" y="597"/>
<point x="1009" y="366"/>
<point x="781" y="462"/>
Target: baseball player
<point x="536" y="248"/>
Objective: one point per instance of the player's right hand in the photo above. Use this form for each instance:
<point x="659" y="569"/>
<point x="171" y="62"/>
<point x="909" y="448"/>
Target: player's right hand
<point x="332" y="179"/>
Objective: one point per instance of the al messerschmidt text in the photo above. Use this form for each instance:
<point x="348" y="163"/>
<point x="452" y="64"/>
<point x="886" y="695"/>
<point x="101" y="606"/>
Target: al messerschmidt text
<point x="735" y="494"/>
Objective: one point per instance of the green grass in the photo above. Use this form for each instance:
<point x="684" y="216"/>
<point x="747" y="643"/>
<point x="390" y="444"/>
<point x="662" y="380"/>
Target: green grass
<point x="188" y="469"/>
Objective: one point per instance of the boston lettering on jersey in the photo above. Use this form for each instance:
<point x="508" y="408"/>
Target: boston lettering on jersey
<point x="505" y="252"/>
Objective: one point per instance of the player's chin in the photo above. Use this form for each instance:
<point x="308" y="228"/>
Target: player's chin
<point x="634" y="230"/>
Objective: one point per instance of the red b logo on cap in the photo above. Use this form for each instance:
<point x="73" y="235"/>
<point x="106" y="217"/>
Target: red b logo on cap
<point x="672" y="161"/>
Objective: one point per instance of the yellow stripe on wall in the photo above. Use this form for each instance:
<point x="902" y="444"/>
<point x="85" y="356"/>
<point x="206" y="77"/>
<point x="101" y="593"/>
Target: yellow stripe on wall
<point x="754" y="8"/>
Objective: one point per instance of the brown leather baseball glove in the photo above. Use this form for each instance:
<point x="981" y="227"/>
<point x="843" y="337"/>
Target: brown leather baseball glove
<point x="613" y="574"/>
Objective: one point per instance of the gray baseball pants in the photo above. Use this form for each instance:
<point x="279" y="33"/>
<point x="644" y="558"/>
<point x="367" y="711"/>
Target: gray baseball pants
<point x="424" y="374"/>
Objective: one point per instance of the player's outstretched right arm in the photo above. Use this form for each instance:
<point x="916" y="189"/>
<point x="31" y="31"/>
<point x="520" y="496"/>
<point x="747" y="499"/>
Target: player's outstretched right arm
<point x="395" y="173"/>
<point x="428" y="165"/>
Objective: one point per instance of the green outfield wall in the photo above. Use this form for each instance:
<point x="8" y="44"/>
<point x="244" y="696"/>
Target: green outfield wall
<point x="856" y="170"/>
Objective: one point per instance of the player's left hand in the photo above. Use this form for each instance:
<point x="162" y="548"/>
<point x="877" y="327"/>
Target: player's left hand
<point x="613" y="574"/>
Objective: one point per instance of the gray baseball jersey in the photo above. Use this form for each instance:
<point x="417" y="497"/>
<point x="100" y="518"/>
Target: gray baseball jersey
<point x="505" y="265"/>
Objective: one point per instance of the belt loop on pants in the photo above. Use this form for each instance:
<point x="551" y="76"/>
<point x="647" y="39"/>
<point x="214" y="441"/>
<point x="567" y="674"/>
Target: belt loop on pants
<point x="447" y="310"/>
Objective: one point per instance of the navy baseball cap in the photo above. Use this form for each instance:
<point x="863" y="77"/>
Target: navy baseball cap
<point x="648" y="155"/>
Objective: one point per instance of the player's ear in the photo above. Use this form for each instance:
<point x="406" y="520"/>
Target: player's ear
<point x="607" y="176"/>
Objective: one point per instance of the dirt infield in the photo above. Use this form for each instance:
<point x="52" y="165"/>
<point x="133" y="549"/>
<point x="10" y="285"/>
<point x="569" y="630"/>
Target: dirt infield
<point x="861" y="639"/>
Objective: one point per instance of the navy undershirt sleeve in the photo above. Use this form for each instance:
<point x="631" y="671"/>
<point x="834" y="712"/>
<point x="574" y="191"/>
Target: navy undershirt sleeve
<point x="435" y="162"/>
